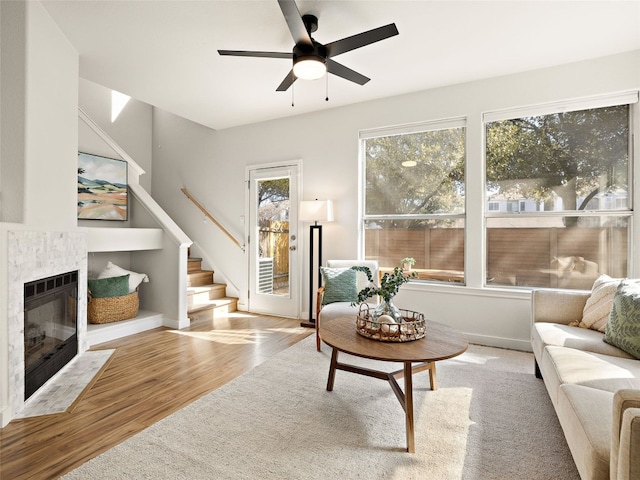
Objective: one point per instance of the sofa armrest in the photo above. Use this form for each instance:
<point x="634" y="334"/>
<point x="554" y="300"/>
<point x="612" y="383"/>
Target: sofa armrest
<point x="625" y="436"/>
<point x="557" y="306"/>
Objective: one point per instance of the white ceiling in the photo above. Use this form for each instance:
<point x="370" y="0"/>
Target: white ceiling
<point x="165" y="52"/>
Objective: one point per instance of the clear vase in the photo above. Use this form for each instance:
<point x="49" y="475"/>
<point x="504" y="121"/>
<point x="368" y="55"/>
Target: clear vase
<point x="385" y="310"/>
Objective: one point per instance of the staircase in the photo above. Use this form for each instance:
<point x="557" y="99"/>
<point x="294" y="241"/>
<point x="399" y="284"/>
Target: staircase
<point x="203" y="296"/>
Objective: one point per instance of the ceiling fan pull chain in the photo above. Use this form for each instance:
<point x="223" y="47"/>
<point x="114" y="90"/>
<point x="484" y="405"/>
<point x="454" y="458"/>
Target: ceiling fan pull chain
<point x="327" y="85"/>
<point x="293" y="89"/>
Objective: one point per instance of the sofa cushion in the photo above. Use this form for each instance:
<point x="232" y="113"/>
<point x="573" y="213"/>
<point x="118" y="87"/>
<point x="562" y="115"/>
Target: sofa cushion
<point x="361" y="278"/>
<point x="598" y="307"/>
<point x="561" y="365"/>
<point x="623" y="329"/>
<point x="339" y="285"/>
<point x="586" y="416"/>
<point x="545" y="334"/>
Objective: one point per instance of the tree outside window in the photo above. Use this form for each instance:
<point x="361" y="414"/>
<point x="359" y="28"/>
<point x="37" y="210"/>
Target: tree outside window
<point x="414" y="200"/>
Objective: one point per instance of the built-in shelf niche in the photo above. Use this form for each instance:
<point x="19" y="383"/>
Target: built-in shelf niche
<point x="115" y="244"/>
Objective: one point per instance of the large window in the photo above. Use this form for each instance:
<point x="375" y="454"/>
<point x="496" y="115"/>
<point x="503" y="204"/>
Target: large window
<point x="414" y="198"/>
<point x="564" y="180"/>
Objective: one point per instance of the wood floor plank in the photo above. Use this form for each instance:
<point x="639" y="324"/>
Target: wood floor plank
<point x="150" y="376"/>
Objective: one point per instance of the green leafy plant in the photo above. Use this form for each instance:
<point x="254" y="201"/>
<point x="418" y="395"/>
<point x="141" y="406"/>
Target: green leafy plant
<point x="408" y="260"/>
<point x="390" y="283"/>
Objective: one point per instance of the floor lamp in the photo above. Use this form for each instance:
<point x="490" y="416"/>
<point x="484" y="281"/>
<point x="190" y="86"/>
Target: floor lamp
<point x="314" y="211"/>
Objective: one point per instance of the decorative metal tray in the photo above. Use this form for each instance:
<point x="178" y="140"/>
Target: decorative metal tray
<point x="413" y="327"/>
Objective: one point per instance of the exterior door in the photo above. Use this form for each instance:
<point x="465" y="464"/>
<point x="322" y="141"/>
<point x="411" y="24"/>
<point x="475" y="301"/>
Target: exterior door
<point x="273" y="241"/>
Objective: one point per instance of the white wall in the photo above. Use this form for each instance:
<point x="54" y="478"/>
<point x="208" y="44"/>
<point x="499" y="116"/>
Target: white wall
<point x="182" y="157"/>
<point x="211" y="165"/>
<point x="131" y="129"/>
<point x="39" y="139"/>
<point x="51" y="123"/>
<point x="12" y="113"/>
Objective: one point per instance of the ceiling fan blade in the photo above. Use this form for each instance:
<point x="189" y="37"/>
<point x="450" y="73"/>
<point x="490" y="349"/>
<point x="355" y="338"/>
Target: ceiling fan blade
<point x="361" y="40"/>
<point x="287" y="82"/>
<point x="345" y="72"/>
<point x="244" y="53"/>
<point x="294" y="21"/>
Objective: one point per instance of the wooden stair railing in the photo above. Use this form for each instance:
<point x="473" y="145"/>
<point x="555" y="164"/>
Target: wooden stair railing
<point x="213" y="220"/>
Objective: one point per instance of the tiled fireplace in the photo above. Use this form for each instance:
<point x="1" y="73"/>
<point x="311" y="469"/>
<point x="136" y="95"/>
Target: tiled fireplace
<point x="33" y="256"/>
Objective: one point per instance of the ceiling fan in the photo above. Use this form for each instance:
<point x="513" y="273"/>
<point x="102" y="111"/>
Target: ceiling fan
<point x="312" y="59"/>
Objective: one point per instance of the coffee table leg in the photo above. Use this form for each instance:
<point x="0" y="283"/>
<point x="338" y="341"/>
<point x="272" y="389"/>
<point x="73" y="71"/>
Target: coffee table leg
<point x="332" y="369"/>
<point x="432" y="376"/>
<point x="408" y="406"/>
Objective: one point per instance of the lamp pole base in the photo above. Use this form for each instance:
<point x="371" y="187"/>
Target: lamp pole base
<point x="309" y="324"/>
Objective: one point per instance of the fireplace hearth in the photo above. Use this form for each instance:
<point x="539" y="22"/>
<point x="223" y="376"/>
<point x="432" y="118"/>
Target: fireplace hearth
<point x="50" y="327"/>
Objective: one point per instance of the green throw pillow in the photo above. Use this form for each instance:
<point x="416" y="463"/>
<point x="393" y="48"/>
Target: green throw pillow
<point x="109" y="287"/>
<point x="339" y="285"/>
<point x="623" y="328"/>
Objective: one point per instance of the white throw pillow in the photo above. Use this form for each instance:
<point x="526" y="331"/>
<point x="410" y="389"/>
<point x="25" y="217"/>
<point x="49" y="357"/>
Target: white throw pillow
<point x="135" y="279"/>
<point x="598" y="307"/>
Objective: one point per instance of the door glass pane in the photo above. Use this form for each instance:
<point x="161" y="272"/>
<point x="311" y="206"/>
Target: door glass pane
<point x="273" y="237"/>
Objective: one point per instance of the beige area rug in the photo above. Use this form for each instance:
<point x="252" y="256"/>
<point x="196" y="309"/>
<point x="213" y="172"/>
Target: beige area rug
<point x="489" y="419"/>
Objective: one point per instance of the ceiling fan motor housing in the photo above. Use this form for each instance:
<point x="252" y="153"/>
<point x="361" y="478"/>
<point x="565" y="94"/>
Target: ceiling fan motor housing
<point x="316" y="51"/>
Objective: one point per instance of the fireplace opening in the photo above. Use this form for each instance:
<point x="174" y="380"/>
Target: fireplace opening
<point x="50" y="328"/>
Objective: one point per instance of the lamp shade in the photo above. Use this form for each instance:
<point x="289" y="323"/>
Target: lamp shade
<point x="316" y="211"/>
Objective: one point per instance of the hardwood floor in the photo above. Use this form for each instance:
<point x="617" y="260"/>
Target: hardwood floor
<point x="150" y="376"/>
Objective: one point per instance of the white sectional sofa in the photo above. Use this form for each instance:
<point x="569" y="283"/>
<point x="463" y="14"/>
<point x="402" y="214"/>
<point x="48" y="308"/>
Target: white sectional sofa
<point x="594" y="387"/>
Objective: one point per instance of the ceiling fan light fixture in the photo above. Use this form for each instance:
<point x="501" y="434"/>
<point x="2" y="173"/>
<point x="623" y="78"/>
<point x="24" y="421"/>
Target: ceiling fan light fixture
<point x="309" y="67"/>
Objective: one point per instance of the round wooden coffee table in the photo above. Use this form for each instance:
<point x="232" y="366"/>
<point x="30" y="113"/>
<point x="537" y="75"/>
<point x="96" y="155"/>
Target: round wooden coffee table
<point x="440" y="342"/>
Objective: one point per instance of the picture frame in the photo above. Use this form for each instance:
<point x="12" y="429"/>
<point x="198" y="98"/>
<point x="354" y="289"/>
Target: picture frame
<point x="102" y="188"/>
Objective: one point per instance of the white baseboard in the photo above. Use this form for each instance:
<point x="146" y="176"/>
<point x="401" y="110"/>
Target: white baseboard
<point x="511" y="343"/>
<point x="176" y="324"/>
<point x="100" y="333"/>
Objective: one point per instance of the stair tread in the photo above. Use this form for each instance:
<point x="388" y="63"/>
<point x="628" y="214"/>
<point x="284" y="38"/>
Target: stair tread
<point x="218" y="302"/>
<point x="205" y="288"/>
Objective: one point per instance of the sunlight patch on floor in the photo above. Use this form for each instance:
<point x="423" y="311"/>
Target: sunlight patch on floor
<point x="288" y="329"/>
<point x="474" y="358"/>
<point x="229" y="337"/>
<point x="240" y="315"/>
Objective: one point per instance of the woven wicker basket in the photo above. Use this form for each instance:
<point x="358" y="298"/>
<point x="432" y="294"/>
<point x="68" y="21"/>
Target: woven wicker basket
<point x="112" y="309"/>
<point x="413" y="327"/>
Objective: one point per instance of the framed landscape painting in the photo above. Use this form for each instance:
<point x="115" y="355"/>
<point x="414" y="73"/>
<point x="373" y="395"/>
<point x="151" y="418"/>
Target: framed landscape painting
<point x="102" y="188"/>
